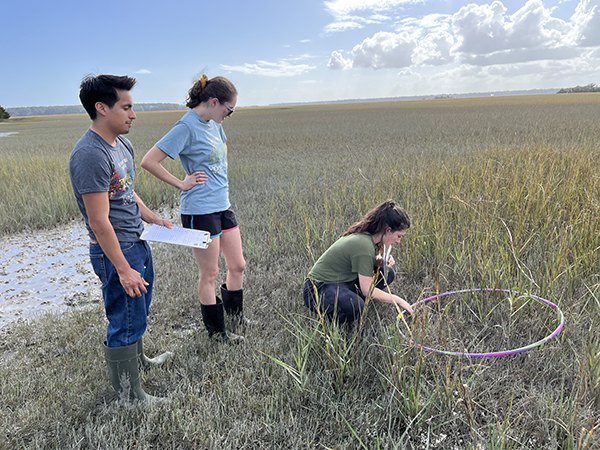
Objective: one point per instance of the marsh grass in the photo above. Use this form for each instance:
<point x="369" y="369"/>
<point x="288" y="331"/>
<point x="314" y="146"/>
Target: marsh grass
<point x="35" y="190"/>
<point x="503" y="193"/>
<point x="480" y="322"/>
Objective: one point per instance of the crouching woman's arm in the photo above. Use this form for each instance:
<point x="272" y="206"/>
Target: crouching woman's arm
<point x="382" y="296"/>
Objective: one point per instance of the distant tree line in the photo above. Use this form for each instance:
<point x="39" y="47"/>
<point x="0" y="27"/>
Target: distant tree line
<point x="78" y="109"/>
<point x="588" y="88"/>
<point x="3" y="113"/>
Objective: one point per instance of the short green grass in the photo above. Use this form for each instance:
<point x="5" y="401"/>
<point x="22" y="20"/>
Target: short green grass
<point x="503" y="193"/>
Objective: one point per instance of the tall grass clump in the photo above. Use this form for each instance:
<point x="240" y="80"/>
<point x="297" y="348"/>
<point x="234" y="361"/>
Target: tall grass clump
<point x="502" y="193"/>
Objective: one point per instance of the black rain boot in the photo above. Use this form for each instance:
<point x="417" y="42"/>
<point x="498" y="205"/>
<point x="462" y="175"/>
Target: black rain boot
<point x="233" y="302"/>
<point x="147" y="363"/>
<point x="124" y="374"/>
<point x="214" y="320"/>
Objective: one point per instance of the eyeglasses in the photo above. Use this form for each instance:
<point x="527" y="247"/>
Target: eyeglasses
<point x="231" y="110"/>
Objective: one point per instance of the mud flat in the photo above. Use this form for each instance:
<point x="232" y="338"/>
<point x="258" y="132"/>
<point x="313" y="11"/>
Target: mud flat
<point x="45" y="270"/>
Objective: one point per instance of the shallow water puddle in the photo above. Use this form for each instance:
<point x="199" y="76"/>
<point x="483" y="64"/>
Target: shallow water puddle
<point x="45" y="270"/>
<point x="8" y="133"/>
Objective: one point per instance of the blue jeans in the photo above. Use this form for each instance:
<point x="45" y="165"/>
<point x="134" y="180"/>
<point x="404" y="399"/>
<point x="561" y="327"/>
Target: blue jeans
<point x="127" y="316"/>
<point x="342" y="301"/>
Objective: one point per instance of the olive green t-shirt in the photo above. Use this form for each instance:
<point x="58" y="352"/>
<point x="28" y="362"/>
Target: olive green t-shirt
<point x="348" y="257"/>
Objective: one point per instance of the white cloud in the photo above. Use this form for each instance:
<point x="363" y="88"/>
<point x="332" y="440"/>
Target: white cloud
<point x="299" y="57"/>
<point x="143" y="71"/>
<point x="430" y="23"/>
<point x="343" y="26"/>
<point x="384" y="50"/>
<point x="486" y="35"/>
<point x="352" y="14"/>
<point x="338" y="62"/>
<point x="378" y="18"/>
<point x="522" y="55"/>
<point x="586" y="21"/>
<point x="434" y="49"/>
<point x="271" y="69"/>
<point x="478" y="35"/>
<point x="340" y="8"/>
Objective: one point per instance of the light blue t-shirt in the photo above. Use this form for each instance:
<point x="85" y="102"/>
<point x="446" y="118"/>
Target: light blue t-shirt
<point x="200" y="145"/>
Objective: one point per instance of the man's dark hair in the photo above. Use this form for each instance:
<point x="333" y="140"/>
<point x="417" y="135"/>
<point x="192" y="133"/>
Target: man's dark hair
<point x="103" y="89"/>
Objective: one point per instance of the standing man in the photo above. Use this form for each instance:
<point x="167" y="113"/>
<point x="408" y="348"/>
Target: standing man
<point x="102" y="169"/>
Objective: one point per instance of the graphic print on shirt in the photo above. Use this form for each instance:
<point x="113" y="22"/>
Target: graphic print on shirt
<point x="122" y="185"/>
<point x="218" y="156"/>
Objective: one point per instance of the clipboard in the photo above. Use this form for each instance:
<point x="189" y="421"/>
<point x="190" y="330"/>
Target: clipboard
<point x="177" y="235"/>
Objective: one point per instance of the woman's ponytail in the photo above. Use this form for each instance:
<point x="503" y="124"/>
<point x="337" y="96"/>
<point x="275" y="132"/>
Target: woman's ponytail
<point x="204" y="89"/>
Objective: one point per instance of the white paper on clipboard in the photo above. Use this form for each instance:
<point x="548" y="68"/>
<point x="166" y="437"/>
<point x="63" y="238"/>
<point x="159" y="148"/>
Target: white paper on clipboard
<point x="177" y="235"/>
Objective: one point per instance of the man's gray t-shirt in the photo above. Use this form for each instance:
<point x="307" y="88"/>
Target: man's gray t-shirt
<point x="96" y="166"/>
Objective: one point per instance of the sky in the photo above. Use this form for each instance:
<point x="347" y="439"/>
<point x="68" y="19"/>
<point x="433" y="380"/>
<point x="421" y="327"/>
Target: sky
<point x="282" y="51"/>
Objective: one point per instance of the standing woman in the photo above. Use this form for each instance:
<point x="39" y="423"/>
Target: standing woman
<point x="199" y="141"/>
<point x="341" y="278"/>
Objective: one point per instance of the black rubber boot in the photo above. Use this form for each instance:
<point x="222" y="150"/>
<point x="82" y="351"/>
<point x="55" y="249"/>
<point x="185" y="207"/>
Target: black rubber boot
<point x="147" y="363"/>
<point x="124" y="373"/>
<point x="233" y="302"/>
<point x="214" y="320"/>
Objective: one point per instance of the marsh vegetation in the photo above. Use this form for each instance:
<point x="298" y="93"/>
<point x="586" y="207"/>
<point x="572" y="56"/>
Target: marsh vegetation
<point x="503" y="193"/>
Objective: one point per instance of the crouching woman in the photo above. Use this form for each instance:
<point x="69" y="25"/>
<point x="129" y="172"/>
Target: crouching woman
<point x="341" y="279"/>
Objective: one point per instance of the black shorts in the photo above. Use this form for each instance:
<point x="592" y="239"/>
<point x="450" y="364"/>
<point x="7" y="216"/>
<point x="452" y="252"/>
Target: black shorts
<point x="215" y="223"/>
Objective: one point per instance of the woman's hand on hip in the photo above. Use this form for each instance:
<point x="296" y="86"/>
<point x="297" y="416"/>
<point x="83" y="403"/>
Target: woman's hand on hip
<point x="194" y="179"/>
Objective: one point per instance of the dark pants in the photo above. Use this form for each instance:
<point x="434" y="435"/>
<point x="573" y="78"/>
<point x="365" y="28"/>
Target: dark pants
<point x="342" y="301"/>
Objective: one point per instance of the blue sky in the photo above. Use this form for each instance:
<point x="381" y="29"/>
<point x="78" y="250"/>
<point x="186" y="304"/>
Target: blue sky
<point x="280" y="51"/>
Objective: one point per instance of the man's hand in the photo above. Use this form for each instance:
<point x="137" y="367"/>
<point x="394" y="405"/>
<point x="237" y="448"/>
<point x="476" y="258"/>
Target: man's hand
<point x="133" y="283"/>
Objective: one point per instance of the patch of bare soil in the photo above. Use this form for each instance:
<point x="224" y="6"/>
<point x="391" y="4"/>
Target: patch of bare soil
<point x="45" y="270"/>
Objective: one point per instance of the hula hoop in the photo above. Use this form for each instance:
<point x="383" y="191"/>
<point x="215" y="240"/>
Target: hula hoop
<point x="483" y="355"/>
